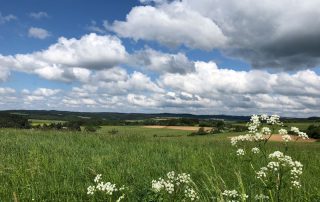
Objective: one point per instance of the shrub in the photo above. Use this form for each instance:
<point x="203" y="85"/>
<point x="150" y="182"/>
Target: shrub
<point x="238" y="128"/>
<point x="201" y="131"/>
<point x="13" y="121"/>
<point x="91" y="128"/>
<point x="113" y="131"/>
<point x="314" y="131"/>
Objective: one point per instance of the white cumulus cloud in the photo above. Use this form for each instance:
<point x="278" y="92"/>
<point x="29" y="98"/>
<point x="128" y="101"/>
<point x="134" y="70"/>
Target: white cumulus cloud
<point x="170" y="24"/>
<point x="39" y="33"/>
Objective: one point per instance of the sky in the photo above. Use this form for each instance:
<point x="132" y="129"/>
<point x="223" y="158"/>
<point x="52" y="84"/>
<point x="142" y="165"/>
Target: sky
<point x="152" y="56"/>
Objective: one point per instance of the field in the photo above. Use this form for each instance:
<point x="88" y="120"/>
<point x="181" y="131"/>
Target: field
<point x="59" y="166"/>
<point x="186" y="128"/>
<point x="35" y="122"/>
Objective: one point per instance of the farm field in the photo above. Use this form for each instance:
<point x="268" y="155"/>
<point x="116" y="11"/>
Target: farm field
<point x="59" y="166"/>
<point x="35" y="122"/>
<point x="186" y="128"/>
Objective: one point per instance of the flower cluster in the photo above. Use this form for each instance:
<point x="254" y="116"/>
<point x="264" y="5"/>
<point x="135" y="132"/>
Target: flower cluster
<point x="173" y="183"/>
<point x="107" y="188"/>
<point x="285" y="163"/>
<point x="231" y="195"/>
<point x="274" y="120"/>
<point x="286" y="138"/>
<point x="240" y="152"/>
<point x="266" y="131"/>
<point x="299" y="133"/>
<point x="255" y="150"/>
<point x="234" y="196"/>
<point x="257" y="133"/>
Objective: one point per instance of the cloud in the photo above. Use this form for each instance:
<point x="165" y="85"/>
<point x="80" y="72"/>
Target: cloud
<point x="83" y="101"/>
<point x="91" y="51"/>
<point x="4" y="73"/>
<point x="208" y="81"/>
<point x="66" y="75"/>
<point x="39" y="94"/>
<point x="69" y="59"/>
<point x="172" y="25"/>
<point x="39" y="33"/>
<point x="267" y="34"/>
<point x="46" y="92"/>
<point x="207" y="90"/>
<point x="7" y="91"/>
<point x="7" y="18"/>
<point x="111" y="75"/>
<point x="162" y="62"/>
<point x="141" y="100"/>
<point x="127" y="83"/>
<point x="39" y="15"/>
<point x="155" y="1"/>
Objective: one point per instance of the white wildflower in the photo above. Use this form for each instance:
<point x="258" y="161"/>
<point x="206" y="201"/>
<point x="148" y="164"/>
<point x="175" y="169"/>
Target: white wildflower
<point x="261" y="197"/>
<point x="273" y="166"/>
<point x="183" y="178"/>
<point x="286" y="138"/>
<point x="252" y="128"/>
<point x="97" y="178"/>
<point x="241" y="138"/>
<point x="175" y="182"/>
<point x="107" y="188"/>
<point x="255" y="119"/>
<point x="264" y="117"/>
<point x="286" y="163"/>
<point x="231" y="195"/>
<point x="262" y="173"/>
<point x="296" y="184"/>
<point x="171" y="175"/>
<point x="266" y="131"/>
<point x="276" y="154"/>
<point x="191" y="194"/>
<point x="259" y="137"/>
<point x="91" y="190"/>
<point x="274" y="120"/>
<point x="295" y="129"/>
<point x="303" y="135"/>
<point x="157" y="185"/>
<point x="240" y="152"/>
<point x="283" y="131"/>
<point x="255" y="150"/>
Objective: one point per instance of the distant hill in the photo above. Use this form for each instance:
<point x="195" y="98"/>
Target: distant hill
<point x="67" y="115"/>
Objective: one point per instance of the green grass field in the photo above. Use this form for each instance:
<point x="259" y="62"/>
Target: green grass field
<point x="59" y="166"/>
<point x="35" y="122"/>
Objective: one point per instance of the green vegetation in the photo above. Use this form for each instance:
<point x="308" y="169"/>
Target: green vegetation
<point x="13" y="121"/>
<point x="60" y="165"/>
<point x="113" y="118"/>
<point x="314" y="131"/>
<point x="35" y="122"/>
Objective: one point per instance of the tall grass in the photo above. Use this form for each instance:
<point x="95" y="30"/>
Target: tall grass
<point x="59" y="166"/>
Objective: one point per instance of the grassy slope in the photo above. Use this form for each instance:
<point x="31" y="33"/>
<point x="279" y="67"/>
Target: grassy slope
<point x="48" y="166"/>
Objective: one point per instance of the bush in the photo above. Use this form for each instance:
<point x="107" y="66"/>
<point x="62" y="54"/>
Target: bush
<point x="113" y="131"/>
<point x="91" y="128"/>
<point x="13" y="121"/>
<point x="201" y="131"/>
<point x="240" y="128"/>
<point x="313" y="131"/>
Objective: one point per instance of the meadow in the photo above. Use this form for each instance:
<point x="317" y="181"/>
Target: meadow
<point x="40" y="165"/>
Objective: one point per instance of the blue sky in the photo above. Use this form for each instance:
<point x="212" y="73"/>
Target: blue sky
<point x="160" y="56"/>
